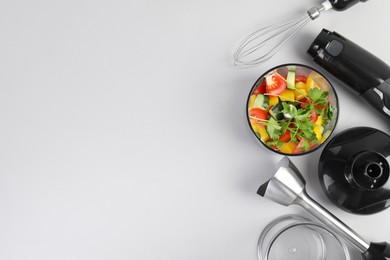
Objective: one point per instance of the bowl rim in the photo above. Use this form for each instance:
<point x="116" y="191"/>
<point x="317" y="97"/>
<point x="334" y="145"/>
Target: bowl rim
<point x="337" y="110"/>
<point x="296" y="221"/>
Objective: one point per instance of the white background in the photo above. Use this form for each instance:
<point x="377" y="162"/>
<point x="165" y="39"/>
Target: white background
<point x="123" y="131"/>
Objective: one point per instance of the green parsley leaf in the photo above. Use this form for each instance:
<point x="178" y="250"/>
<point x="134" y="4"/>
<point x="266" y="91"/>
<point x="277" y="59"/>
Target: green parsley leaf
<point x="276" y="143"/>
<point x="306" y="145"/>
<point x="315" y="94"/>
<point x="273" y="129"/>
<point x="302" y="114"/>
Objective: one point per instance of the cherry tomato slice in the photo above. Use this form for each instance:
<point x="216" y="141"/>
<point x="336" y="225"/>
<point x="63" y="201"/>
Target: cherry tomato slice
<point x="285" y="137"/>
<point x="258" y="116"/>
<point x="275" y="84"/>
<point x="302" y="79"/>
<point x="300" y="147"/>
<point x="260" y="89"/>
<point x="313" y="116"/>
<point x="319" y="106"/>
<point x="305" y="102"/>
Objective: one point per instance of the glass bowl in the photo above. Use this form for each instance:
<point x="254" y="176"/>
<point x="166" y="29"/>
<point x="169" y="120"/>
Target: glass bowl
<point x="292" y="109"/>
<point x="295" y="237"/>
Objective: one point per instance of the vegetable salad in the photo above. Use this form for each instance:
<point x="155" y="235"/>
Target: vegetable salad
<point x="291" y="113"/>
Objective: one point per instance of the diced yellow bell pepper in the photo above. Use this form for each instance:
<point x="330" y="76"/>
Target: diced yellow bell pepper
<point x="318" y="131"/>
<point x="261" y="130"/>
<point x="273" y="100"/>
<point x="300" y="93"/>
<point x="255" y="127"/>
<point x="318" y="121"/>
<point x="251" y="102"/>
<point x="287" y="95"/>
<point x="288" y="147"/>
<point x="311" y="84"/>
<point x="263" y="134"/>
<point x="300" y="85"/>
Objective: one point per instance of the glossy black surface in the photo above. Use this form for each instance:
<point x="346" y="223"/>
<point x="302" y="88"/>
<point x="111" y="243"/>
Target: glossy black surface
<point x="352" y="64"/>
<point x="354" y="170"/>
<point x="341" y="5"/>
<point x="364" y="73"/>
<point x="377" y="251"/>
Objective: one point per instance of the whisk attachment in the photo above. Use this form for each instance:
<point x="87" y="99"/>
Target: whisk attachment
<point x="261" y="45"/>
<point x="315" y="12"/>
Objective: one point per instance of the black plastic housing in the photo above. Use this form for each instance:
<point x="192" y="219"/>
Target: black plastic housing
<point x="377" y="251"/>
<point x="364" y="73"/>
<point x="341" y="5"/>
<point x="354" y="170"/>
<point x="349" y="62"/>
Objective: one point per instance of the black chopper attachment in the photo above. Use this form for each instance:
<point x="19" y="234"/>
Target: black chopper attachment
<point x="364" y="73"/>
<point x="354" y="170"/>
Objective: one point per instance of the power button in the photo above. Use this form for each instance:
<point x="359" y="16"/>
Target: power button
<point x="334" y="48"/>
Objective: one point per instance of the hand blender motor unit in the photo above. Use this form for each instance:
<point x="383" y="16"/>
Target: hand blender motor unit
<point x="364" y="73"/>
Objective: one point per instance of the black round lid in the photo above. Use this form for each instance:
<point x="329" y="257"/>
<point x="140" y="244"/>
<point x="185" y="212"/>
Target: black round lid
<point x="354" y="170"/>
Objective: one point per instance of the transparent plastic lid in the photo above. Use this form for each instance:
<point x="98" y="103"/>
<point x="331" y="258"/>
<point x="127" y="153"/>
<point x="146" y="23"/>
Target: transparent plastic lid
<point x="297" y="238"/>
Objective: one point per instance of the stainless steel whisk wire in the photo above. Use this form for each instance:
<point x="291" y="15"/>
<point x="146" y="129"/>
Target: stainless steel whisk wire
<point x="262" y="44"/>
<point x="282" y="32"/>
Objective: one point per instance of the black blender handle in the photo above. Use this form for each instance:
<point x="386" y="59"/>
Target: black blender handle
<point x="363" y="72"/>
<point x="341" y="5"/>
<point x="377" y="251"/>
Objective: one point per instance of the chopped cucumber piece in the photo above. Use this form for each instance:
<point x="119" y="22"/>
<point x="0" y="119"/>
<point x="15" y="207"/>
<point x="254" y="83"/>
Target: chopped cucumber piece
<point x="276" y="111"/>
<point x="291" y="68"/>
<point x="261" y="102"/>
<point x="290" y="79"/>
